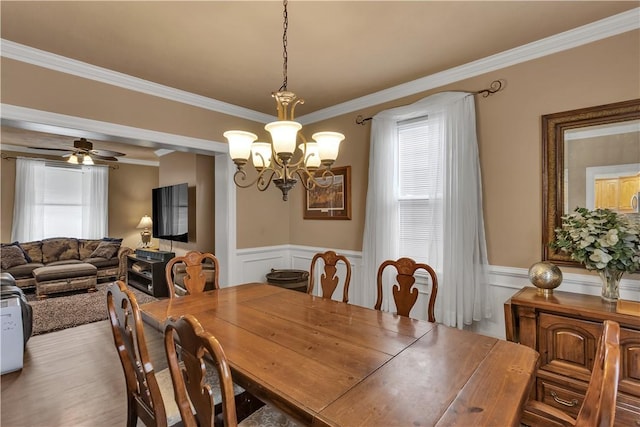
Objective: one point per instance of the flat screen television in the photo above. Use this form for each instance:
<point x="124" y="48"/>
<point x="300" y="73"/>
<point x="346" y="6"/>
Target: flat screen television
<point x="170" y="212"/>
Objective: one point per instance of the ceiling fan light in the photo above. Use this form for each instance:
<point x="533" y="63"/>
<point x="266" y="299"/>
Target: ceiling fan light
<point x="87" y="160"/>
<point x="73" y="159"/>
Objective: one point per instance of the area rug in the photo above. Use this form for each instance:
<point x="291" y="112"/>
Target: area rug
<point x="61" y="312"/>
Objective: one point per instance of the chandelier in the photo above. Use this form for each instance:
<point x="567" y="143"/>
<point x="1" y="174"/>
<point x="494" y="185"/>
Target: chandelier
<point x="283" y="159"/>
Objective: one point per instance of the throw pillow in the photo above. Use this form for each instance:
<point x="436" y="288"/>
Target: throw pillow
<point x="105" y="250"/>
<point x="12" y="255"/>
<point x="26" y="255"/>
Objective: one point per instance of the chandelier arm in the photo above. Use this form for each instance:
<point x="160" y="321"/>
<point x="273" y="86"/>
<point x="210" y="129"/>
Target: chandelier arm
<point x="241" y="176"/>
<point x="263" y="184"/>
<point x="305" y="178"/>
<point x="326" y="173"/>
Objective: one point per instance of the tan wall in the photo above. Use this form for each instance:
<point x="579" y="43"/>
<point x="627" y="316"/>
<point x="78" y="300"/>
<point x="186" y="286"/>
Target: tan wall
<point x="508" y="125"/>
<point x="509" y="136"/>
<point x="129" y="198"/>
<point x="198" y="172"/>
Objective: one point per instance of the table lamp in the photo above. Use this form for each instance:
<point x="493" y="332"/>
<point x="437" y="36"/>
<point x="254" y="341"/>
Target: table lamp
<point x="145" y="234"/>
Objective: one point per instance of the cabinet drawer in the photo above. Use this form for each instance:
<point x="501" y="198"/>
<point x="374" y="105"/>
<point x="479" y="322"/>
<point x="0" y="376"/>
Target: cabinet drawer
<point x="565" y="399"/>
<point x="567" y="346"/>
<point x="627" y="411"/>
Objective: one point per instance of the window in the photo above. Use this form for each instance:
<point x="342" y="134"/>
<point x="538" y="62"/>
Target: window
<point x="62" y="203"/>
<point x="420" y="189"/>
<point x="53" y="199"/>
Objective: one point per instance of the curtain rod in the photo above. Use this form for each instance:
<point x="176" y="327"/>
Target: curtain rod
<point x="5" y="157"/>
<point x="495" y="86"/>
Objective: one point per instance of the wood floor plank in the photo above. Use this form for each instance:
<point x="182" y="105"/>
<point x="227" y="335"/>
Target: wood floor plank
<point x="71" y="377"/>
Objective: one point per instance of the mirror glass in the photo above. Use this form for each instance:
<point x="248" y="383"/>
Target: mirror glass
<point x="591" y="158"/>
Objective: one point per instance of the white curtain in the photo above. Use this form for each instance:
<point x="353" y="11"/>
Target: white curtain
<point x="28" y="205"/>
<point x="463" y="294"/>
<point x="95" y="196"/>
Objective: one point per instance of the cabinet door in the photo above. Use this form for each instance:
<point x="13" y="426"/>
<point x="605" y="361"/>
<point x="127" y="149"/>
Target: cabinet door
<point x="567" y="346"/>
<point x="629" y="187"/>
<point x="606" y="193"/>
<point x="630" y="362"/>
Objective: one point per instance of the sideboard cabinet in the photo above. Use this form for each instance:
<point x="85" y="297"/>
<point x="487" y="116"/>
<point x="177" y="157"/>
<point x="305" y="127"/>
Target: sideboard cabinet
<point x="564" y="328"/>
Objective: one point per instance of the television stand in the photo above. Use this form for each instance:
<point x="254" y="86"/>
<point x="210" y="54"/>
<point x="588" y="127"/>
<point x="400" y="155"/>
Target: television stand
<point x="148" y="275"/>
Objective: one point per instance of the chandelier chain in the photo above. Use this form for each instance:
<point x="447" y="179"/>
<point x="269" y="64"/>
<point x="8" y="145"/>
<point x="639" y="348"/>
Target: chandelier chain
<point x="285" y="56"/>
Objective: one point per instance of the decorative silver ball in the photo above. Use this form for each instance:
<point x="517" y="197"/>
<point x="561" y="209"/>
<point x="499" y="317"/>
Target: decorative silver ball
<point x="545" y="276"/>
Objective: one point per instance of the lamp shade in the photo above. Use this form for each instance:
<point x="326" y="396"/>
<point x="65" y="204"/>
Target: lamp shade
<point x="145" y="222"/>
<point x="73" y="159"/>
<point x="284" y="134"/>
<point x="328" y="145"/>
<point x="311" y="156"/>
<point x="261" y="154"/>
<point x="87" y="160"/>
<point x="239" y="143"/>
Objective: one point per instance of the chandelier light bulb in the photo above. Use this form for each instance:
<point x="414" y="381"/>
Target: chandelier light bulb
<point x="261" y="155"/>
<point x="284" y="134"/>
<point x="328" y="145"/>
<point x="240" y="144"/>
<point x="311" y="156"/>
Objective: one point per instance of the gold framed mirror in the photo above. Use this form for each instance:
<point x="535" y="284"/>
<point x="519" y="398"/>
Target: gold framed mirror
<point x="580" y="150"/>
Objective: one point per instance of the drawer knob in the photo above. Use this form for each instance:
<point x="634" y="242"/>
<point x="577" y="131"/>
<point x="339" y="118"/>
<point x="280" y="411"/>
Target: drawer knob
<point x="563" y="402"/>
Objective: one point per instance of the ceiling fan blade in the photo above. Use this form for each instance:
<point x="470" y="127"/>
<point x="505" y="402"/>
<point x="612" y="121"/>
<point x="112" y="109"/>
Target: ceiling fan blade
<point x="52" y="149"/>
<point x="105" y="153"/>
<point x="106" y="158"/>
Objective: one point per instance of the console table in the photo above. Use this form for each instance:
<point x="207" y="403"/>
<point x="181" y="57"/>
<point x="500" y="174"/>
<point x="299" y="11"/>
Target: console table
<point x="564" y="328"/>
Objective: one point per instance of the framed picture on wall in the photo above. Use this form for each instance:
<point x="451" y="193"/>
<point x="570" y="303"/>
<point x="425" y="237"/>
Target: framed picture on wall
<point x="332" y="198"/>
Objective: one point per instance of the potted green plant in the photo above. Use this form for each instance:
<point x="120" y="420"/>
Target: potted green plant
<point x="602" y="240"/>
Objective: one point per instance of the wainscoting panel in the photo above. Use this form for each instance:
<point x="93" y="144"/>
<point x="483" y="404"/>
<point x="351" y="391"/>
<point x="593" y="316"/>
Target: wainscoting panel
<point x="252" y="265"/>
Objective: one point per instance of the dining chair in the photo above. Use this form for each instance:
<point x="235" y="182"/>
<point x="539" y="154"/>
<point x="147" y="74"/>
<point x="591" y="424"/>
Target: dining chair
<point x="599" y="405"/>
<point x="404" y="294"/>
<point x="149" y="393"/>
<point x="329" y="280"/>
<point x="194" y="395"/>
<point x="192" y="273"/>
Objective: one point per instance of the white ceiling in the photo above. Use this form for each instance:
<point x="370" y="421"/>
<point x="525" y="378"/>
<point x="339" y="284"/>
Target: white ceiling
<point x="338" y="51"/>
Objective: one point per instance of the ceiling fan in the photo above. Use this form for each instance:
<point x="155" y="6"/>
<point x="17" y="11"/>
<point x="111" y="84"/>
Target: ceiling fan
<point x="83" y="152"/>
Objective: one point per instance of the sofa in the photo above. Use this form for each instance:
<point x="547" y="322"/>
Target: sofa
<point x="66" y="259"/>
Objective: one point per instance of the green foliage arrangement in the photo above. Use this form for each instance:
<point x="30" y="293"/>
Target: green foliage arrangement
<point x="600" y="239"/>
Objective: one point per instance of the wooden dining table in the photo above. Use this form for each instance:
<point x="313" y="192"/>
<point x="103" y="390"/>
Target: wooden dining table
<point x="328" y="363"/>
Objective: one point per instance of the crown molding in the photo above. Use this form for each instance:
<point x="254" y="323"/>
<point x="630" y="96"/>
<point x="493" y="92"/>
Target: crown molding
<point x="608" y="27"/>
<point x="66" y="65"/>
<point x="61" y="124"/>
<point x="604" y="28"/>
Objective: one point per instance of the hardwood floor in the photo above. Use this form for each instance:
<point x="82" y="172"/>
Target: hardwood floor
<point x="71" y="377"/>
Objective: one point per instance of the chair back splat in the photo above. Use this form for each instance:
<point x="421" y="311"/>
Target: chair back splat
<point x="190" y="274"/>
<point x="195" y="394"/>
<point x="405" y="294"/>
<point x="144" y="397"/>
<point x="329" y="280"/>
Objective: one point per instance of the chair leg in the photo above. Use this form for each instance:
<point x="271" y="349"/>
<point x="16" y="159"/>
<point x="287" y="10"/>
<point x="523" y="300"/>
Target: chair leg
<point x="132" y="415"/>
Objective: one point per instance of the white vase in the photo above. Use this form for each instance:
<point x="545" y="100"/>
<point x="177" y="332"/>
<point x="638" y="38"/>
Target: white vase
<point x="610" y="284"/>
